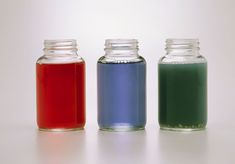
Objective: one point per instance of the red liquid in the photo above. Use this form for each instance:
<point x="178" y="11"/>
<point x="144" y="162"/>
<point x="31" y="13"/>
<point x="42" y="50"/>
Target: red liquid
<point x="60" y="95"/>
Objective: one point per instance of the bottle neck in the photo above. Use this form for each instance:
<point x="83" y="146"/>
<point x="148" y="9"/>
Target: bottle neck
<point x="60" y="48"/>
<point x="121" y="48"/>
<point x="182" y="47"/>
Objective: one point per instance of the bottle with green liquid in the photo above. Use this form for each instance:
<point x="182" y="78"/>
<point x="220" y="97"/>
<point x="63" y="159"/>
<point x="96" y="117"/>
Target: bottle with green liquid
<point x="182" y="86"/>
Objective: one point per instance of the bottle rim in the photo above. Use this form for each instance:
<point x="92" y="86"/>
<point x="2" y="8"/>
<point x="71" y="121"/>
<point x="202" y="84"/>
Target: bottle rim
<point x="121" y="44"/>
<point x="182" y="40"/>
<point x="60" y="44"/>
<point x="185" y="43"/>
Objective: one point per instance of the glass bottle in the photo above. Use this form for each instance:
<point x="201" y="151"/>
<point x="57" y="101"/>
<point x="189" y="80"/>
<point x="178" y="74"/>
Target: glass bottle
<point x="121" y="87"/>
<point x="182" y="86"/>
<point x="60" y="85"/>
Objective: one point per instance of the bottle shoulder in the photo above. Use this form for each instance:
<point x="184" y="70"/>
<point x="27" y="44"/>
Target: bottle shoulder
<point x="119" y="59"/>
<point x="170" y="59"/>
<point x="59" y="59"/>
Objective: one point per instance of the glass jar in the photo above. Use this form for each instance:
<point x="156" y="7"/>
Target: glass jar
<point x="121" y="87"/>
<point x="182" y="86"/>
<point x="60" y="85"/>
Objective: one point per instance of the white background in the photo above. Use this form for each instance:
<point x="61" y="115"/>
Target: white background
<point x="24" y="24"/>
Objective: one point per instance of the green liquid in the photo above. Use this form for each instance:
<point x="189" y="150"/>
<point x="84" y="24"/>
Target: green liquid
<point x="183" y="96"/>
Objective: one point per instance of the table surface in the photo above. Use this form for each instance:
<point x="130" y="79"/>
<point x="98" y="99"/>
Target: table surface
<point x="27" y="145"/>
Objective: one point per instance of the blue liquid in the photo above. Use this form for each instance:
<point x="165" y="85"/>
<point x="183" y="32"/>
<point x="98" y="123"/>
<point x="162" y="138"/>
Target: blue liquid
<point x="122" y="96"/>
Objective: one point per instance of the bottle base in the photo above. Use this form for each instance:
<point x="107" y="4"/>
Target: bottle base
<point x="182" y="129"/>
<point x="122" y="128"/>
<point x="59" y="129"/>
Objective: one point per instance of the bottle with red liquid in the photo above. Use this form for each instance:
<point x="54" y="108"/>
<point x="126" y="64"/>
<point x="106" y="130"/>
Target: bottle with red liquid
<point x="60" y="85"/>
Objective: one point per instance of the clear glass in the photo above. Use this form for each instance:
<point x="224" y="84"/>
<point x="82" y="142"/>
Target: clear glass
<point x="182" y="86"/>
<point x="121" y="51"/>
<point x="60" y="51"/>
<point x="121" y="87"/>
<point x="182" y="51"/>
<point x="60" y="85"/>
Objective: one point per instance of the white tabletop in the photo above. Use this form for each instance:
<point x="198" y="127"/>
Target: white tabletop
<point x="27" y="145"/>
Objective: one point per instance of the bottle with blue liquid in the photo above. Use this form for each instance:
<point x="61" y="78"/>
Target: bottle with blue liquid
<point x="121" y="87"/>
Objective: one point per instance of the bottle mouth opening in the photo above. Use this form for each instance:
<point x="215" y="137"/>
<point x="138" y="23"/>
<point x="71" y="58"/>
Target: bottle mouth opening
<point x="121" y="44"/>
<point x="61" y="44"/>
<point x="174" y="43"/>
